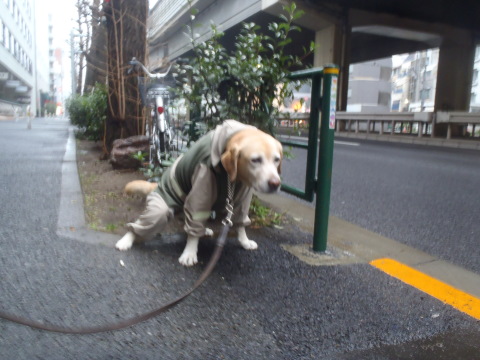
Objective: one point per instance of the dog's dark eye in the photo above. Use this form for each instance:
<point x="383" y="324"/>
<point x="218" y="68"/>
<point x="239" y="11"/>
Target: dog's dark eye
<point x="276" y="159"/>
<point x="257" y="160"/>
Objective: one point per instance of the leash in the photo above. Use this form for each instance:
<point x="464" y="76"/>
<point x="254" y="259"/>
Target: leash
<point x="227" y="223"/>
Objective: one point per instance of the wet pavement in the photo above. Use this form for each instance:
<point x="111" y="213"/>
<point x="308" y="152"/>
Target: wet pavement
<point x="264" y="304"/>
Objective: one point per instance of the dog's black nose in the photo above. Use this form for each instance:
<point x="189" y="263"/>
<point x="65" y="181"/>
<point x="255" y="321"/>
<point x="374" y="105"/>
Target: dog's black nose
<point x="273" y="184"/>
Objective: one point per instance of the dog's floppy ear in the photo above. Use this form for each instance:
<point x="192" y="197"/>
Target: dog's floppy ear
<point x="280" y="148"/>
<point x="229" y="161"/>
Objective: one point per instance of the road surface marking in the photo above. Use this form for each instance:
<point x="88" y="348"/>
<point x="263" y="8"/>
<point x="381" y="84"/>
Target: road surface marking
<point x="300" y="138"/>
<point x="448" y="294"/>
<point x="349" y="143"/>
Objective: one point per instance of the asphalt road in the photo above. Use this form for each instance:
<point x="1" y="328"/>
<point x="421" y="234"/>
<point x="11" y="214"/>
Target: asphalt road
<point x="425" y="197"/>
<point x="264" y="304"/>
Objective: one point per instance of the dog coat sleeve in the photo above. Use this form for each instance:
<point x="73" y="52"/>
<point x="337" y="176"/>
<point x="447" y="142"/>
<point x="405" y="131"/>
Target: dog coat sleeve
<point x="241" y="205"/>
<point x="199" y="201"/>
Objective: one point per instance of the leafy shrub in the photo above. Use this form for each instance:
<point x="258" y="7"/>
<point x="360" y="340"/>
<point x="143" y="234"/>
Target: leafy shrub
<point x="244" y="84"/>
<point x="89" y="112"/>
<point x="50" y="108"/>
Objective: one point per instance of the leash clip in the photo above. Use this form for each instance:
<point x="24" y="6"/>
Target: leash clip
<point x="228" y="219"/>
<point x="229" y="205"/>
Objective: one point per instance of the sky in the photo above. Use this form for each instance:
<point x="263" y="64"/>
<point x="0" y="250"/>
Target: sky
<point x="62" y="13"/>
<point x="63" y="17"/>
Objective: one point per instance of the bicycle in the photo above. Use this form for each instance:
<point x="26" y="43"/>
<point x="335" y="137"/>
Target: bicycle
<point x="155" y="95"/>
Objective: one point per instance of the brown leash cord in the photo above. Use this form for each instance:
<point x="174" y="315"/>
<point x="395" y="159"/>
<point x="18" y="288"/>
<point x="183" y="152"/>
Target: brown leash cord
<point x="135" y="320"/>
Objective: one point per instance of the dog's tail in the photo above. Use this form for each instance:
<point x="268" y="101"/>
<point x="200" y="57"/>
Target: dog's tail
<point x="140" y="187"/>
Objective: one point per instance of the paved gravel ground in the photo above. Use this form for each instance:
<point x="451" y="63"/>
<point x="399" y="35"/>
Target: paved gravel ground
<point x="264" y="304"/>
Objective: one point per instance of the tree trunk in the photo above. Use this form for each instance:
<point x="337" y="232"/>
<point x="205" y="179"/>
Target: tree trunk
<point x="83" y="35"/>
<point x="97" y="55"/>
<point x="126" y="34"/>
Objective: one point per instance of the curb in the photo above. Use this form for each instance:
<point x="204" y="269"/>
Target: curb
<point x="71" y="222"/>
<point x="350" y="244"/>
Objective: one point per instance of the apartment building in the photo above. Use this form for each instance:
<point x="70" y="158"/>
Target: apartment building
<point x="475" y="97"/>
<point x="414" y="80"/>
<point x="369" y="87"/>
<point x="24" y="64"/>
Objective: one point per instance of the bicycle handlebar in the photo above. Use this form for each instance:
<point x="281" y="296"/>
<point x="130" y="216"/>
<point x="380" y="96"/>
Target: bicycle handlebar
<point x="135" y="62"/>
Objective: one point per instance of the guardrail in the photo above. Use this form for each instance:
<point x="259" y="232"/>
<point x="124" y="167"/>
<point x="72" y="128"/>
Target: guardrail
<point x="385" y="123"/>
<point x="470" y="120"/>
<point x="420" y="123"/>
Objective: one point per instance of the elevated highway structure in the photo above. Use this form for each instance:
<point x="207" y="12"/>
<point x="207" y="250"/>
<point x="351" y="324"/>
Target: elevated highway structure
<point x="346" y="32"/>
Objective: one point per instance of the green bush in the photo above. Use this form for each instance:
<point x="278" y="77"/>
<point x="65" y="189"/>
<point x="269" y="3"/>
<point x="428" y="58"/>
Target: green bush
<point x="50" y="108"/>
<point x="89" y="112"/>
<point x="245" y="84"/>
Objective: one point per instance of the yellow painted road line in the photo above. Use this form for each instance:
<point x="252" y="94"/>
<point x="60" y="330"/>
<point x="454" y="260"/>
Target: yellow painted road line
<point x="448" y="294"/>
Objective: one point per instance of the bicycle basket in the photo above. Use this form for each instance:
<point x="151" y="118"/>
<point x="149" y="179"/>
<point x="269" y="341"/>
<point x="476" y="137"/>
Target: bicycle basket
<point x="149" y="88"/>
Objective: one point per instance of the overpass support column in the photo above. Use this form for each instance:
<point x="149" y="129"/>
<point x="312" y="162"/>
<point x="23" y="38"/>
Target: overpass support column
<point x="454" y="77"/>
<point x="331" y="47"/>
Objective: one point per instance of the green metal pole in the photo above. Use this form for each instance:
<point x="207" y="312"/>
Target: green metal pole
<point x="325" y="160"/>
<point x="313" y="136"/>
<point x="316" y="76"/>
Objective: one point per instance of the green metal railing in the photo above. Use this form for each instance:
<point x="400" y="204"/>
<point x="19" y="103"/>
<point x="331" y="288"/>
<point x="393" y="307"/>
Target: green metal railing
<point x="322" y="117"/>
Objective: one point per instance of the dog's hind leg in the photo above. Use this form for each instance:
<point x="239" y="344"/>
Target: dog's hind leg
<point x="152" y="221"/>
<point x="208" y="232"/>
<point x="126" y="241"/>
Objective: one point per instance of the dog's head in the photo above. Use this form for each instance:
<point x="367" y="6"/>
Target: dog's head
<point x="255" y="158"/>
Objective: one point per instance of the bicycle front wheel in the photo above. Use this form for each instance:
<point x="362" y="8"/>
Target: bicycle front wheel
<point x="162" y="142"/>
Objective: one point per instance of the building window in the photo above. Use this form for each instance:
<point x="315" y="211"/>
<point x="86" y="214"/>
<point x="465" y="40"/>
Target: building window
<point x="7" y="38"/>
<point x="2" y="38"/>
<point x="384" y="98"/>
<point x="396" y="105"/>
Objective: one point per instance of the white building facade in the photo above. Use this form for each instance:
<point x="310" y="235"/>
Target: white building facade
<point x="475" y="98"/>
<point x="369" y="88"/>
<point x="24" y="64"/>
<point x="414" y="79"/>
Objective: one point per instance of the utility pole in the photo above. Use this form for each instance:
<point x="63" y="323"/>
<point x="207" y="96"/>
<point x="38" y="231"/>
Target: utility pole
<point x="35" y="67"/>
<point x="72" y="63"/>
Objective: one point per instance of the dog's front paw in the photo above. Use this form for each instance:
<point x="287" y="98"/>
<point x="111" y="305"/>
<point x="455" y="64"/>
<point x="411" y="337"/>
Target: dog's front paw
<point x="249" y="244"/>
<point x="246" y="243"/>
<point x="188" y="259"/>
<point x="208" y="232"/>
<point x="189" y="255"/>
<point x="125" y="242"/>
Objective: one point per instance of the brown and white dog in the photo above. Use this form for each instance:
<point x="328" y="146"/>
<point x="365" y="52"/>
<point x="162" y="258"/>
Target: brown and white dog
<point x="197" y="183"/>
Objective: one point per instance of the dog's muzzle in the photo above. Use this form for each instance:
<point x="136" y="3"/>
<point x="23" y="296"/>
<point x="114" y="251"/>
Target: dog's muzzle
<point x="273" y="185"/>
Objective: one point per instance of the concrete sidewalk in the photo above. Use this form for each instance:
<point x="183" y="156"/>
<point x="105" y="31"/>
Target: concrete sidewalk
<point x="263" y="304"/>
<point x="348" y="243"/>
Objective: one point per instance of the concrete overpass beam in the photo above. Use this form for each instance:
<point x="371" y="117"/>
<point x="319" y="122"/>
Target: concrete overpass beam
<point x="328" y="46"/>
<point x="331" y="48"/>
